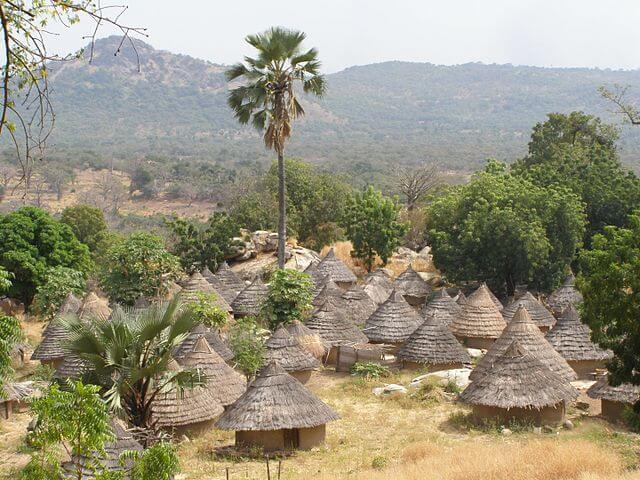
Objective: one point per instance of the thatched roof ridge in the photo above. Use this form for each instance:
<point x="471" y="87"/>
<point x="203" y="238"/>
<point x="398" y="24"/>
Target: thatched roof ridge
<point x="335" y="268"/>
<point x="494" y="299"/>
<point x="19" y="391"/>
<point x="378" y="285"/>
<point x="309" y="340"/>
<point x="317" y="278"/>
<point x="226" y="282"/>
<point x="624" y="393"/>
<point x="393" y="321"/>
<point x="565" y="295"/>
<point x="412" y="284"/>
<point x="213" y="339"/>
<point x="198" y="284"/>
<point x="460" y="298"/>
<point x="330" y="321"/>
<point x="94" y="307"/>
<point x="72" y="367"/>
<point x="527" y="333"/>
<point x="282" y="348"/>
<point x="538" y="312"/>
<point x="249" y="300"/>
<point x="329" y="290"/>
<point x="443" y="303"/>
<point x="433" y="342"/>
<point x="479" y="317"/>
<point x="518" y="379"/>
<point x="572" y="339"/>
<point x="71" y="304"/>
<point x="50" y="348"/>
<point x="276" y="401"/>
<point x="359" y="304"/>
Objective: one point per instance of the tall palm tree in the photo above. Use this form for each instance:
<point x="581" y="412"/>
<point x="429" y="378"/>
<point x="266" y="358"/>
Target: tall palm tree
<point x="267" y="98"/>
<point x="129" y="355"/>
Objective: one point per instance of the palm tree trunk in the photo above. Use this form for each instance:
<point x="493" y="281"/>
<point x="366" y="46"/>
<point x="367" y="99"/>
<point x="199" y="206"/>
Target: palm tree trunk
<point x="282" y="211"/>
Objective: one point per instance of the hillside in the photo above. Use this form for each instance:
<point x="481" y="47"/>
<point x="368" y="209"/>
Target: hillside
<point x="372" y="115"/>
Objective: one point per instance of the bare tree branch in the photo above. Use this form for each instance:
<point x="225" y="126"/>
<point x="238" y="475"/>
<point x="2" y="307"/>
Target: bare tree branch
<point x="414" y="183"/>
<point x="617" y="96"/>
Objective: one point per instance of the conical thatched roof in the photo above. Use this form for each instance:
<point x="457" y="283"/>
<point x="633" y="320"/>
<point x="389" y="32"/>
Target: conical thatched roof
<point x="433" y="342"/>
<point x="625" y="393"/>
<point x="572" y="339"/>
<point x="308" y="339"/>
<point x="410" y="283"/>
<point x="71" y="367"/>
<point x="281" y="347"/>
<point x="225" y="384"/>
<point x="378" y="285"/>
<point x="213" y="339"/>
<point x="94" y="307"/>
<point x="393" y="321"/>
<point x="198" y="284"/>
<point x="330" y="321"/>
<point x="249" y="300"/>
<point x="527" y="333"/>
<point x="329" y="290"/>
<point x="444" y="304"/>
<point x="538" y="312"/>
<point x="460" y="298"/>
<point x="225" y="281"/>
<point x="335" y="268"/>
<point x="71" y="304"/>
<point x="565" y="295"/>
<point x="494" y="299"/>
<point x="276" y="401"/>
<point x="50" y="347"/>
<point x="360" y="305"/>
<point x="479" y="317"/>
<point x="518" y="379"/>
<point x="316" y="278"/>
<point x="141" y="303"/>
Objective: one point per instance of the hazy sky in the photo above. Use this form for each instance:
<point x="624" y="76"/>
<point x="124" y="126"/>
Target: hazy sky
<point x="594" y="33"/>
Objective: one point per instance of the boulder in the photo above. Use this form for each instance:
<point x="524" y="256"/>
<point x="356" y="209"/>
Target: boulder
<point x="458" y="375"/>
<point x="390" y="389"/>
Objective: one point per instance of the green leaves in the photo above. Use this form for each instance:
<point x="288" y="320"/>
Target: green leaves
<point x="247" y="342"/>
<point x="10" y="334"/>
<point x="59" y="282"/>
<point x="289" y="297"/>
<point x="205" y="310"/>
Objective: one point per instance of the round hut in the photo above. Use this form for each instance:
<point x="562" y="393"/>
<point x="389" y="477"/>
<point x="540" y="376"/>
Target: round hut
<point x="572" y="339"/>
<point x="71" y="304"/>
<point x="614" y="400"/>
<point x="336" y="269"/>
<point x="444" y="305"/>
<point x="71" y="368"/>
<point x="213" y="339"/>
<point x="226" y="282"/>
<point x="249" y="300"/>
<point x="277" y="412"/>
<point x="198" y="284"/>
<point x="538" y="312"/>
<point x="460" y="298"/>
<point x="527" y="333"/>
<point x="94" y="307"/>
<point x="378" y="285"/>
<point x="518" y="386"/>
<point x="433" y="345"/>
<point x="494" y="299"/>
<point x="50" y="351"/>
<point x="413" y="287"/>
<point x="479" y="322"/>
<point x="565" y="295"/>
<point x="308" y="339"/>
<point x="316" y="278"/>
<point x="392" y="322"/>
<point x="282" y="348"/>
<point x="360" y="306"/>
<point x="329" y="290"/>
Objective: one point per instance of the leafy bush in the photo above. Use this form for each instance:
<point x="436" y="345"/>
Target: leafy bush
<point x="289" y="297"/>
<point x="10" y="334"/>
<point x="206" y="311"/>
<point x="88" y="225"/>
<point x="5" y="280"/>
<point x="631" y="418"/>
<point x="43" y="372"/>
<point x="159" y="462"/>
<point x="379" y="462"/>
<point x="59" y="282"/>
<point x="369" y="370"/>
<point x="247" y="342"/>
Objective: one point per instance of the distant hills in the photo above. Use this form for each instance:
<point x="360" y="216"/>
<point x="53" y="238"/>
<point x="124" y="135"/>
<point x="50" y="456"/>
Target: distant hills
<point x="372" y="116"/>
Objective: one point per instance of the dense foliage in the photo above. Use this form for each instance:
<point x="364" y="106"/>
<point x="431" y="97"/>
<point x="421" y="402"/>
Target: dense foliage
<point x="289" y="297"/>
<point x="205" y="310"/>
<point x="247" y="343"/>
<point x="31" y="242"/>
<point x="88" y="225"/>
<point x="59" y="282"/>
<point x="10" y="334"/>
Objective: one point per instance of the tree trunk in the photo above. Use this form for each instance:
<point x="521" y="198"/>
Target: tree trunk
<point x="282" y="211"/>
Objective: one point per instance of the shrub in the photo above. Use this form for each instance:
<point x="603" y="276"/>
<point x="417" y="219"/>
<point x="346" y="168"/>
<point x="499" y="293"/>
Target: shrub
<point x="247" y="342"/>
<point x="289" y="297"/>
<point x="88" y="225"/>
<point x="10" y="334"/>
<point x="379" y="462"/>
<point x="59" y="282"/>
<point x="369" y="370"/>
<point x="206" y="311"/>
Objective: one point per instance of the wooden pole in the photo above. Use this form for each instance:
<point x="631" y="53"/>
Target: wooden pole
<point x="268" y="471"/>
<point x="279" y="468"/>
<point x="227" y="473"/>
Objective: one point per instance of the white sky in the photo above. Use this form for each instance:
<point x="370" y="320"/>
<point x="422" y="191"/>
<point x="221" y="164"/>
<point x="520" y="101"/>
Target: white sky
<point x="566" y="33"/>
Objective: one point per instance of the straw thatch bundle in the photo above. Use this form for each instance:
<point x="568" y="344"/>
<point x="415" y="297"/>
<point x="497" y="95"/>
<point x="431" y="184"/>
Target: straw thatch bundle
<point x="360" y="306"/>
<point x="433" y="343"/>
<point x="94" y="307"/>
<point x="282" y="348"/>
<point x="71" y="367"/>
<point x="393" y="321"/>
<point x="71" y="304"/>
<point x="522" y="329"/>
<point x="572" y="339"/>
<point x="336" y="269"/>
<point x="308" y="339"/>
<point x="412" y="285"/>
<point x="518" y="379"/>
<point x="225" y="384"/>
<point x="198" y="284"/>
<point x="479" y="317"/>
<point x="444" y="305"/>
<point x="18" y="391"/>
<point x="225" y="281"/>
<point x="565" y="295"/>
<point x="538" y="312"/>
<point x="249" y="300"/>
<point x="276" y="401"/>
<point x="50" y="348"/>
<point x="624" y="393"/>
<point x="317" y="279"/>
<point x="213" y="339"/>
<point x="330" y="321"/>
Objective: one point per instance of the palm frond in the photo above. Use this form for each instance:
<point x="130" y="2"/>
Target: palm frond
<point x="315" y="85"/>
<point x="236" y="71"/>
<point x="310" y="55"/>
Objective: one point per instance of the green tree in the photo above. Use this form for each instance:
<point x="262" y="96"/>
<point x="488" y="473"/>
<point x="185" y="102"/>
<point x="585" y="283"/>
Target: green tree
<point x="31" y="242"/>
<point x="289" y="297"/>
<point x="88" y="225"/>
<point x="255" y="211"/>
<point x="129" y="355"/>
<point x="372" y="224"/>
<point x="160" y="462"/>
<point x="200" y="245"/>
<point x="142" y="181"/>
<point x="59" y="282"/>
<point x="138" y="266"/>
<point x="246" y="339"/>
<point x="505" y="230"/>
<point x="206" y="311"/>
<point x="5" y="280"/>
<point x="267" y="97"/>
<point x="10" y="334"/>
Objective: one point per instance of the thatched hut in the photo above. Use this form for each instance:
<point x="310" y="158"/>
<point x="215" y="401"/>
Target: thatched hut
<point x="213" y="339"/>
<point x="329" y="290"/>
<point x="538" y="312"/>
<point x="572" y="339"/>
<point x="249" y="300"/>
<point x="94" y="307"/>
<point x="433" y="345"/>
<point x="277" y="412"/>
<point x="50" y="351"/>
<point x="614" y="400"/>
<point x="225" y="281"/>
<point x="282" y="348"/>
<point x="460" y="298"/>
<point x="522" y="329"/>
<point x="198" y="284"/>
<point x="71" y="368"/>
<point x="413" y="287"/>
<point x="71" y="304"/>
<point x="308" y="339"/>
<point x="317" y="278"/>
<point x="479" y="322"/>
<point x="359" y="304"/>
<point x="565" y="295"/>
<point x="392" y="322"/>
<point x="494" y="299"/>
<point x="442" y="303"/>
<point x="336" y="269"/>
<point x="519" y="387"/>
<point x="378" y="285"/>
<point x="225" y="384"/>
<point x="14" y="397"/>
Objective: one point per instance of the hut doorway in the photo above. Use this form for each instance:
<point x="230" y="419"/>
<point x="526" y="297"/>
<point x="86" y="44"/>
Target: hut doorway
<point x="291" y="438"/>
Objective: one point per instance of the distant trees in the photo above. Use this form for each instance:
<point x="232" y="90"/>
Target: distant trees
<point x="414" y="183"/>
<point x="58" y="176"/>
<point x="142" y="181"/>
<point x="268" y="97"/>
<point x="371" y="222"/>
<point x="88" y="225"/>
<point x="289" y="297"/>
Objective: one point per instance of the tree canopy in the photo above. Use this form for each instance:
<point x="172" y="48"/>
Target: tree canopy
<point x="289" y="297"/>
